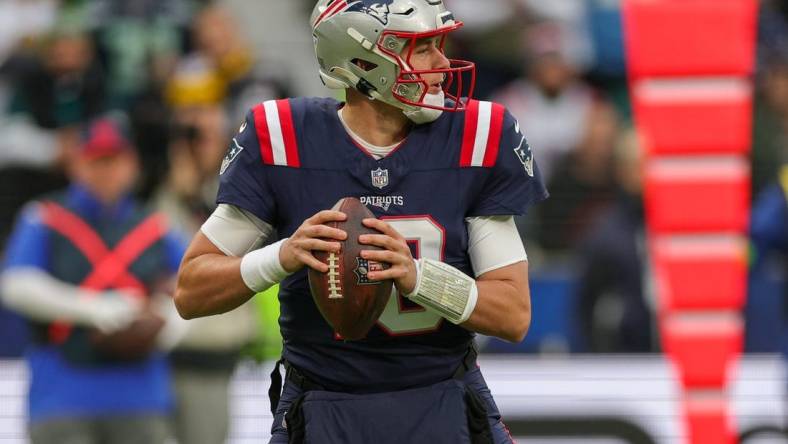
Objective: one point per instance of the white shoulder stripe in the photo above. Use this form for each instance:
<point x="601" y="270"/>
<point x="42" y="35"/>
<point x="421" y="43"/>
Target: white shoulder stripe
<point x="482" y="133"/>
<point x="275" y="132"/>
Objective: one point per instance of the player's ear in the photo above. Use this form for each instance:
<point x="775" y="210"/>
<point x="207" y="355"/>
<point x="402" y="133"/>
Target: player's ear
<point x="364" y="64"/>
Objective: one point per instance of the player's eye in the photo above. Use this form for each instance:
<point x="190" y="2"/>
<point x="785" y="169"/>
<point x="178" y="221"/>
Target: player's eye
<point x="424" y="46"/>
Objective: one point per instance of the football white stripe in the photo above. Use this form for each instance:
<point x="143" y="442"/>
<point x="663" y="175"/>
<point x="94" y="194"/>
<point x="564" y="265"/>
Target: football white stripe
<point x="482" y="133"/>
<point x="275" y="132"/>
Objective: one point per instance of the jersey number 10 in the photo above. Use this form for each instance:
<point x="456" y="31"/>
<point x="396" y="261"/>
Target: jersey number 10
<point x="429" y="238"/>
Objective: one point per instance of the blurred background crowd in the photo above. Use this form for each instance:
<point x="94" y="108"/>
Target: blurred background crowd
<point x="185" y="71"/>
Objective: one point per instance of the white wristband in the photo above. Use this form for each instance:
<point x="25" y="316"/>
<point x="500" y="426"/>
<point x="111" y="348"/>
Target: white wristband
<point x="418" y="279"/>
<point x="261" y="269"/>
<point x="444" y="290"/>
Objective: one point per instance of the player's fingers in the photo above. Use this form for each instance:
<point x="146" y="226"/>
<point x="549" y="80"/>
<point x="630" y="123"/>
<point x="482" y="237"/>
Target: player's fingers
<point x="312" y="244"/>
<point x="379" y="240"/>
<point x="382" y="226"/>
<point x="386" y="256"/>
<point x="393" y="273"/>
<point x="324" y="231"/>
<point x="326" y="216"/>
<point x="311" y="262"/>
<point x="383" y="241"/>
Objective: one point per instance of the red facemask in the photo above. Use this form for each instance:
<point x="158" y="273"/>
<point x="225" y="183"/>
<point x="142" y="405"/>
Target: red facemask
<point x="453" y="85"/>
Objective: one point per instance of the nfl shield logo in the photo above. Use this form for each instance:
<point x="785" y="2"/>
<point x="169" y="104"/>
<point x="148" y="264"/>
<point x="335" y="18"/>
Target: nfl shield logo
<point x="380" y="177"/>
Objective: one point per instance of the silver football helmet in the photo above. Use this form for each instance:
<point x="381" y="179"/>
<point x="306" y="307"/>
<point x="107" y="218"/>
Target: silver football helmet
<point x="359" y="43"/>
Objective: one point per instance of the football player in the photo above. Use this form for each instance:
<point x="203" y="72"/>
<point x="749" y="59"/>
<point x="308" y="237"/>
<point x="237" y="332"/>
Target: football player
<point x="443" y="173"/>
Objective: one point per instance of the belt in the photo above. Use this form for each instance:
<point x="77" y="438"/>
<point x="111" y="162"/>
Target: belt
<point x="295" y="377"/>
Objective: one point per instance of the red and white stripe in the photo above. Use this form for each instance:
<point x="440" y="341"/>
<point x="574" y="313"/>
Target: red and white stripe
<point x="335" y="8"/>
<point x="273" y="121"/>
<point x="482" y="134"/>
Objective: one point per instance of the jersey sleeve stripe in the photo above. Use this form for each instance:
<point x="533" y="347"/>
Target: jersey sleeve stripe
<point x="482" y="133"/>
<point x="288" y="132"/>
<point x="469" y="133"/>
<point x="494" y="140"/>
<point x="263" y="138"/>
<point x="275" y="132"/>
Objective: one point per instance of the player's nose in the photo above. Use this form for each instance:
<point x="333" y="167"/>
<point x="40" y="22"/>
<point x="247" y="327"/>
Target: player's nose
<point x="440" y="60"/>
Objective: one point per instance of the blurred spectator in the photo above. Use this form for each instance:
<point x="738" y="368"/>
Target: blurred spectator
<point x="772" y="29"/>
<point x="582" y="184"/>
<point x="770" y="133"/>
<point x="570" y="19"/>
<point x="139" y="41"/>
<point x="204" y="361"/>
<point x="197" y="145"/>
<point x="21" y="183"/>
<point x="552" y="104"/>
<point x="607" y="37"/>
<point x="139" y="44"/>
<point x="769" y="232"/>
<point x="52" y="88"/>
<point x="217" y="40"/>
<point x="220" y="70"/>
<point x="613" y="290"/>
<point x="88" y="266"/>
<point x="492" y="36"/>
<point x="22" y="19"/>
<point x="28" y="153"/>
<point x="150" y="117"/>
<point x="61" y="86"/>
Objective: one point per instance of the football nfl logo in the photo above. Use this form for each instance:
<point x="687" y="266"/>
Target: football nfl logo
<point x="363" y="267"/>
<point x="380" y="178"/>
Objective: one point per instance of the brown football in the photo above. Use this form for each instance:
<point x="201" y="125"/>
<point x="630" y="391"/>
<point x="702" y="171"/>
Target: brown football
<point x="348" y="300"/>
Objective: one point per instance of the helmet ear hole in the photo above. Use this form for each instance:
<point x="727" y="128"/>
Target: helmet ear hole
<point x="365" y="65"/>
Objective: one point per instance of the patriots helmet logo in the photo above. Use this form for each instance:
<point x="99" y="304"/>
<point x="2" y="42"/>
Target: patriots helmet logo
<point x="377" y="9"/>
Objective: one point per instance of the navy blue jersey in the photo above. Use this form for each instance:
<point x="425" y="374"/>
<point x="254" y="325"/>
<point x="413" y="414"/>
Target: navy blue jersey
<point x="293" y="158"/>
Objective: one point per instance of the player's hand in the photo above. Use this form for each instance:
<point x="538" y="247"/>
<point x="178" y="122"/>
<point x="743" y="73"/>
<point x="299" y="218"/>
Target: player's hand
<point x="311" y="236"/>
<point x="114" y="310"/>
<point x="395" y="252"/>
<point x="175" y="327"/>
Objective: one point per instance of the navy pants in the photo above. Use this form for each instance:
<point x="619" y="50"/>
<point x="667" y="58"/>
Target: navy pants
<point x="473" y="379"/>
